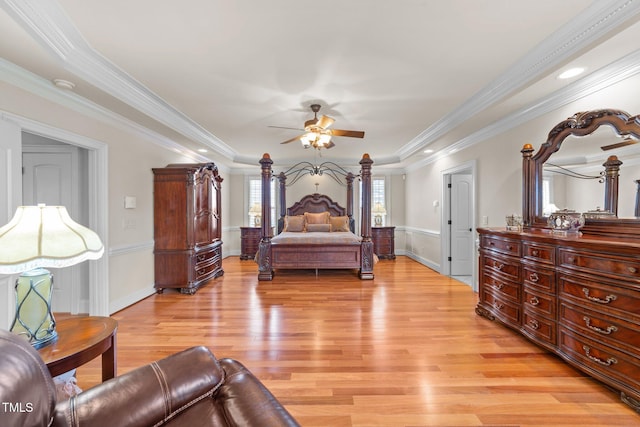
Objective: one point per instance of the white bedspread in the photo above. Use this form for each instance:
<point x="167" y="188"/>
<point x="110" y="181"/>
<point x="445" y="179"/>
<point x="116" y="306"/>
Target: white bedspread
<point x="320" y="238"/>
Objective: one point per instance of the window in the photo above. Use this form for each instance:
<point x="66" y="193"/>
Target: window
<point x="378" y="204"/>
<point x="548" y="206"/>
<point x="255" y="202"/>
<point x="378" y="201"/>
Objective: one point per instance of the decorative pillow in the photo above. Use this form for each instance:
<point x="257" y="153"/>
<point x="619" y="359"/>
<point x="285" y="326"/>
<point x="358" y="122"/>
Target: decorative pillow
<point x="316" y="218"/>
<point x="339" y="223"/>
<point x="318" y="227"/>
<point x="294" y="223"/>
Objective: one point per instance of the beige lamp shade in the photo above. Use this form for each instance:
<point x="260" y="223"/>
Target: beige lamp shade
<point x="379" y="209"/>
<point x="45" y="236"/>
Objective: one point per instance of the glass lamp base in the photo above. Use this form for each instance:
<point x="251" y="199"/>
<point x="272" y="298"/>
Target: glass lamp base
<point x="34" y="319"/>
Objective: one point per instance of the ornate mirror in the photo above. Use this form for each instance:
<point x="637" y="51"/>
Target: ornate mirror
<point x="619" y="130"/>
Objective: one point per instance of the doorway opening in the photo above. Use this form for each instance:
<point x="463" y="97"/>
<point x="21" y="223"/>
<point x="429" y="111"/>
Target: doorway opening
<point x="95" y="215"/>
<point x="458" y="224"/>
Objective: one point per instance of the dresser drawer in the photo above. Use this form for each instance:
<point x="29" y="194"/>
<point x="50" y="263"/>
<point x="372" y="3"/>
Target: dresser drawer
<point x="539" y="328"/>
<point x="541" y="303"/>
<point x="627" y="268"/>
<point x="501" y="287"/>
<point x="601" y="360"/>
<point x="618" y="333"/>
<point x="540" y="278"/>
<point x="204" y="257"/>
<point x="599" y="295"/>
<point x="539" y="252"/>
<point x="502" y="308"/>
<point x="506" y="267"/>
<point x="502" y="245"/>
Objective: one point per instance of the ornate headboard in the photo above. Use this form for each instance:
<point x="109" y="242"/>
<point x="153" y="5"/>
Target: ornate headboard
<point x="316" y="203"/>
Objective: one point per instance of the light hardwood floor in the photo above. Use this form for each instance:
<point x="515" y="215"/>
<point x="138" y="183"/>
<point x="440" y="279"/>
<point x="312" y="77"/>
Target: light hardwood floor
<point x="405" y="349"/>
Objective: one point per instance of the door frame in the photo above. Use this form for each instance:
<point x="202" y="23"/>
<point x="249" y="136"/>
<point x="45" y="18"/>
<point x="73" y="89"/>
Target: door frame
<point x="98" y="202"/>
<point x="469" y="167"/>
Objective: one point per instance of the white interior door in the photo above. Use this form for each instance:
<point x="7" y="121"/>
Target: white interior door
<point x="50" y="177"/>
<point x="461" y="225"/>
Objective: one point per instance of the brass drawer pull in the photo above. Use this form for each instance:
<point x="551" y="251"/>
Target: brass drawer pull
<point x="498" y="265"/>
<point x="606" y="300"/>
<point x="632" y="270"/>
<point x="534" y="301"/>
<point x="534" y="324"/>
<point x="611" y="328"/>
<point x="535" y="252"/>
<point x="202" y="257"/>
<point x="610" y="361"/>
<point x="571" y="259"/>
<point x="533" y="277"/>
<point x="498" y="286"/>
<point x="498" y="306"/>
<point x="509" y="247"/>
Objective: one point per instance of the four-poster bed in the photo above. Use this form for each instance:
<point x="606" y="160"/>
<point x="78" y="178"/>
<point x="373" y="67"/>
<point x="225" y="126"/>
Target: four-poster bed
<point x="317" y="247"/>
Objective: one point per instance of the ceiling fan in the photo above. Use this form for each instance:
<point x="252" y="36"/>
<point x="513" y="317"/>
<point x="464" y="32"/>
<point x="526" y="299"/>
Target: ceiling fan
<point x="626" y="141"/>
<point x="317" y="133"/>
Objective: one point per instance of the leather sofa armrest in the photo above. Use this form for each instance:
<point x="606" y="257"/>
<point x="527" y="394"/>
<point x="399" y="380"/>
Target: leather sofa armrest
<point x="247" y="402"/>
<point x="147" y="395"/>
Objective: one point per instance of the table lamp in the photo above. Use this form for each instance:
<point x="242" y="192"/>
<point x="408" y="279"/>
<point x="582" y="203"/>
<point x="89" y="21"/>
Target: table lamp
<point x="379" y="210"/>
<point x="38" y="237"/>
<point x="256" y="211"/>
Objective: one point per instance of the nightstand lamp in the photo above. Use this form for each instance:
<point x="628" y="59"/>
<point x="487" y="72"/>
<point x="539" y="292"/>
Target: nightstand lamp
<point x="37" y="237"/>
<point x="256" y="212"/>
<point x="379" y="211"/>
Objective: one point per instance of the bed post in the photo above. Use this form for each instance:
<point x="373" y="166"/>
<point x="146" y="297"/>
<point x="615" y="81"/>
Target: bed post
<point x="366" y="248"/>
<point x="282" y="178"/>
<point x="350" y="177"/>
<point x="265" y="271"/>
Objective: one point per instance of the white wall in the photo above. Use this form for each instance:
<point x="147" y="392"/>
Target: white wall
<point x="499" y="169"/>
<point x="131" y="156"/>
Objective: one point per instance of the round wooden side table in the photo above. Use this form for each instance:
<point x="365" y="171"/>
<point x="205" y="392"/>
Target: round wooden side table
<point x="80" y="340"/>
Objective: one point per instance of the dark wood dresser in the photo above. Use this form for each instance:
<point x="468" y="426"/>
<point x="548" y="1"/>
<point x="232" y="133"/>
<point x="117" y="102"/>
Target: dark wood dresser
<point x="574" y="292"/>
<point x="578" y="297"/>
<point x="187" y="226"/>
<point x="249" y="241"/>
<point x="383" y="242"/>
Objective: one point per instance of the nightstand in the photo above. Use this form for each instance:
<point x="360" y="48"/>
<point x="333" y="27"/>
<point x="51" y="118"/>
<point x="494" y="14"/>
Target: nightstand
<point x="384" y="242"/>
<point x="249" y="241"/>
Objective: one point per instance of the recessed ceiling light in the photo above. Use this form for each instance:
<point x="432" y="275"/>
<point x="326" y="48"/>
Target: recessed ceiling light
<point x="203" y="150"/>
<point x="64" y="84"/>
<point x="428" y="151"/>
<point x="571" y="72"/>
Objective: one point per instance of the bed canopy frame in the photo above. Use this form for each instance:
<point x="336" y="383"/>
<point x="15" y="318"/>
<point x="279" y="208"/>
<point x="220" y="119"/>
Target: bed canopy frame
<point x="273" y="256"/>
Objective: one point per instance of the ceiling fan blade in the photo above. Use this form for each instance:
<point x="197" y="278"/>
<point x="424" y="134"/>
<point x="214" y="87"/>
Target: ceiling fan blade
<point x="284" y="127"/>
<point x="324" y="122"/>
<point x="350" y="133"/>
<point x="330" y="144"/>
<point x="623" y="143"/>
<point x="291" y="140"/>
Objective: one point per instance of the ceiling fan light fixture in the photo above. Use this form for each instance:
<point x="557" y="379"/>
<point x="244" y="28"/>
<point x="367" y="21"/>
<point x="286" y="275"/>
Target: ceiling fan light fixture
<point x="307" y="139"/>
<point x="324" y="139"/>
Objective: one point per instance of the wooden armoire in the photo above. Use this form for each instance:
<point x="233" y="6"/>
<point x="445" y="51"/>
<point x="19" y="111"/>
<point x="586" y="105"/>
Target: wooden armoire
<point x="187" y="226"/>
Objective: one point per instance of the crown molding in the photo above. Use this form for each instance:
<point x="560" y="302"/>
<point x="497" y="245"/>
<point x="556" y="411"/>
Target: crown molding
<point x="51" y="27"/>
<point x="586" y="28"/>
<point x="620" y="70"/>
<point x="23" y="79"/>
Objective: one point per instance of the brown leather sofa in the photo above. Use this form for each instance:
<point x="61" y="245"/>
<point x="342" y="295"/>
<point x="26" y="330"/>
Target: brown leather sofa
<point x="190" y="388"/>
